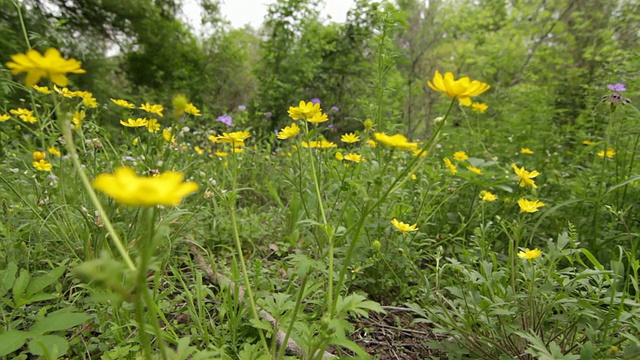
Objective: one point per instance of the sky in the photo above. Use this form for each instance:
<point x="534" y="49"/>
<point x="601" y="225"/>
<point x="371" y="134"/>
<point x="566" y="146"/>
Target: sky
<point x="242" y="12"/>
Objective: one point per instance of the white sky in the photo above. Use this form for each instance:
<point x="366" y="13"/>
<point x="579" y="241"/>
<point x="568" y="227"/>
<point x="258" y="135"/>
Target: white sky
<point x="242" y="12"/>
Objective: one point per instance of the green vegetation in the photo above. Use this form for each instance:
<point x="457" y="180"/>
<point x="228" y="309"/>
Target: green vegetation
<point x="467" y="168"/>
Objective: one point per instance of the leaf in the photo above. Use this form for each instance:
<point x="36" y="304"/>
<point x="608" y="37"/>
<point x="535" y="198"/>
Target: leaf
<point x="7" y="277"/>
<point x="20" y="286"/>
<point x="11" y="341"/>
<point x="351" y="346"/>
<point x="42" y="282"/>
<point x="51" y="345"/>
<point x="58" y="321"/>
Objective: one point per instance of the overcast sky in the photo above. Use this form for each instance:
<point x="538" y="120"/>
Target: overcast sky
<point x="242" y="12"/>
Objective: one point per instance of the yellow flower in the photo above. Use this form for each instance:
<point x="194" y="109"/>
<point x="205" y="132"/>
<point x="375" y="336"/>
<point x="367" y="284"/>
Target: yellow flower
<point x="237" y="150"/>
<point x="235" y="138"/>
<point x="125" y="187"/>
<point x="42" y="165"/>
<point x="450" y="165"/>
<point x="87" y="99"/>
<point x="77" y="118"/>
<point x="153" y="125"/>
<point x="179" y="103"/>
<point x="52" y="65"/>
<point x="198" y="150"/>
<point x="530" y="254"/>
<point x="123" y="103"/>
<point x="413" y="176"/>
<point x="139" y="122"/>
<point x="339" y="156"/>
<point x="474" y="169"/>
<point x="29" y="119"/>
<point x="526" y="151"/>
<point x="318" y="117"/>
<point x="54" y="151"/>
<point x="4" y="117"/>
<point x="304" y="110"/>
<point x="526" y="177"/>
<point x="369" y="125"/>
<point x="420" y="152"/>
<point x="356" y="158"/>
<point x="529" y="206"/>
<point x="609" y="153"/>
<point x="404" y="228"/>
<point x="289" y="132"/>
<point x="39" y="155"/>
<point x="397" y="141"/>
<point x="460" y="156"/>
<point x="322" y="144"/>
<point x="21" y="111"/>
<point x="42" y="89"/>
<point x="152" y="109"/>
<point x="462" y="89"/>
<point x="168" y="136"/>
<point x="65" y="92"/>
<point x="479" y="107"/>
<point x="191" y="109"/>
<point x="372" y="143"/>
<point x="135" y="140"/>
<point x="221" y="153"/>
<point x="350" y="138"/>
<point x="587" y="142"/>
<point x="487" y="196"/>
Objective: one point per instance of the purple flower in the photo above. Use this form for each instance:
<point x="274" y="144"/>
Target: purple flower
<point x="182" y="119"/>
<point x="334" y="109"/>
<point x="242" y="107"/>
<point x="331" y="126"/>
<point x="268" y="114"/>
<point x="315" y="101"/>
<point x="617" y="87"/>
<point x="225" y="119"/>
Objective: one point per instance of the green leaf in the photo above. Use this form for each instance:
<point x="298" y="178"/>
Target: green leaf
<point x="51" y="346"/>
<point x="587" y="351"/>
<point x="42" y="282"/>
<point x="7" y="277"/>
<point x="11" y="341"/>
<point x="58" y="321"/>
<point x="20" y="285"/>
<point x="360" y="353"/>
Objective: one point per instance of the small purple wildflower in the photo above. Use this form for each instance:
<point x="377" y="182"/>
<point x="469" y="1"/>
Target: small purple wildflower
<point x="225" y="119"/>
<point x="268" y="114"/>
<point x="331" y="126"/>
<point x="315" y="101"/>
<point x="334" y="109"/>
<point x="276" y="132"/>
<point x="242" y="108"/>
<point x="182" y="119"/>
<point x="617" y="87"/>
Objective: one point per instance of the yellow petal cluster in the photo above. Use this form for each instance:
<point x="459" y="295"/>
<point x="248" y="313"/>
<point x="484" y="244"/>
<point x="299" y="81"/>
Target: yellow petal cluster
<point x="322" y="144"/>
<point x="48" y="65"/>
<point x="462" y="89"/>
<point x="487" y="196"/>
<point x="350" y="138"/>
<point x="304" y="110"/>
<point x="139" y="122"/>
<point x="404" y="228"/>
<point x="127" y="188"/>
<point x="529" y="206"/>
<point x="526" y="177"/>
<point x="397" y="141"/>
<point x="289" y="132"/>
<point x="530" y="254"/>
<point x="450" y="166"/>
<point x="610" y="153"/>
<point x="123" y="103"/>
<point x="460" y="156"/>
<point x="235" y="138"/>
<point x="152" y="109"/>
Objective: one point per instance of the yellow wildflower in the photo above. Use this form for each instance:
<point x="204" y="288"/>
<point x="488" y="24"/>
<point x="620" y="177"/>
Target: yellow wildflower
<point x="289" y="132"/>
<point x="4" y="117"/>
<point x="479" y="107"/>
<point x="460" y="156"/>
<point x="587" y="142"/>
<point x="42" y="89"/>
<point x="529" y="206"/>
<point x="526" y="177"/>
<point x="54" y="151"/>
<point x="198" y="150"/>
<point x="123" y="103"/>
<point x="153" y="125"/>
<point x="530" y="254"/>
<point x="372" y="143"/>
<point x="77" y="118"/>
<point x="526" y="151"/>
<point x="191" y="109"/>
<point x="397" y="141"/>
<point x="339" y="156"/>
<point x="139" y="122"/>
<point x="64" y="92"/>
<point x="450" y="165"/>
<point x="420" y="152"/>
<point x="304" y="110"/>
<point x="474" y="169"/>
<point x="152" y="109"/>
<point x="29" y="119"/>
<point x="127" y="188"/>
<point x="42" y="165"/>
<point x="179" y="103"/>
<point x="610" y="153"/>
<point x="350" y="138"/>
<point x="404" y="228"/>
<point x="322" y="144"/>
<point x="221" y="153"/>
<point x="462" y="89"/>
<point x="356" y="158"/>
<point x="318" y="117"/>
<point x="52" y="65"/>
<point x="39" y="155"/>
<point x="487" y="196"/>
<point x="135" y="140"/>
<point x="235" y="138"/>
<point x="168" y="136"/>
